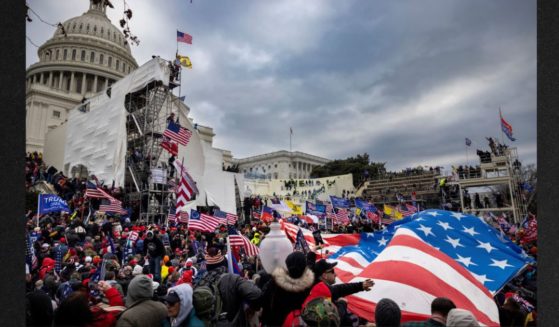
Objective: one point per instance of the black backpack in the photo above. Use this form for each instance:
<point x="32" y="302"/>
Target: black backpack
<point x="206" y="298"/>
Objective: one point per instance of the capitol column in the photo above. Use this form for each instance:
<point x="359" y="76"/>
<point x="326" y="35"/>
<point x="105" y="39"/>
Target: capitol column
<point x="60" y="80"/>
<point x="72" y="83"/>
<point x="94" y="88"/>
<point x="49" y="84"/>
<point x="84" y="86"/>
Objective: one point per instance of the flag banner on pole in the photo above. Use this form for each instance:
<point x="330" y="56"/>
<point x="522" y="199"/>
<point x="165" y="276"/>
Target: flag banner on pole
<point x="52" y="203"/>
<point x="95" y="192"/>
<point x="506" y="127"/>
<point x="339" y="202"/>
<point x="231" y="219"/>
<point x="300" y="243"/>
<point x="236" y="239"/>
<point x="363" y="205"/>
<point x="267" y="214"/>
<point x="184" y="61"/>
<point x="170" y="146"/>
<point x="202" y="222"/>
<point x="114" y="206"/>
<point x="177" y="133"/>
<point x="184" y="37"/>
<point x="188" y="179"/>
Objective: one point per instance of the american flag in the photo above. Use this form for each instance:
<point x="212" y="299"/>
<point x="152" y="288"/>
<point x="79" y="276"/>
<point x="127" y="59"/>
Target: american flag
<point x="186" y="176"/>
<point x="170" y="146"/>
<point x="203" y="222"/>
<point x="230" y="218"/>
<point x="342" y="217"/>
<point x="113" y="206"/>
<point x="182" y="217"/>
<point x="434" y="274"/>
<point x="506" y="127"/>
<point x="95" y="192"/>
<point x="184" y="37"/>
<point x="256" y="214"/>
<point x="406" y="209"/>
<point x="470" y="242"/>
<point x="177" y="133"/>
<point x="373" y="216"/>
<point x="236" y="239"/>
<point x="184" y="193"/>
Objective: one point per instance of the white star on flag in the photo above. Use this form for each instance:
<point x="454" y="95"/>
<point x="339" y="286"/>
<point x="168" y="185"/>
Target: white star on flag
<point x="486" y="245"/>
<point x="482" y="278"/>
<point x="500" y="263"/>
<point x="444" y="225"/>
<point x="455" y="242"/>
<point x="466" y="261"/>
<point x="470" y="231"/>
<point x="426" y="230"/>
<point x="433" y="213"/>
<point x="382" y="241"/>
<point x="458" y="215"/>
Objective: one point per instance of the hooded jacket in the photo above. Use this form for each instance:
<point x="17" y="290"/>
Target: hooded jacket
<point x="284" y="294"/>
<point x="141" y="309"/>
<point x="187" y="316"/>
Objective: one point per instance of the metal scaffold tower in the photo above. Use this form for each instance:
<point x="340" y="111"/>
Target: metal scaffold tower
<point x="146" y="177"/>
<point x="494" y="171"/>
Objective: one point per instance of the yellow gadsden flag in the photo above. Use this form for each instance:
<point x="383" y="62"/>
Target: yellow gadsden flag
<point x="391" y="211"/>
<point x="185" y="61"/>
<point x="295" y="209"/>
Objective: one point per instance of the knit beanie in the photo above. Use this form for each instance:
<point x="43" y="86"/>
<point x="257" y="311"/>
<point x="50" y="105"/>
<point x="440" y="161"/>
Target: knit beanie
<point x="296" y="263"/>
<point x="387" y="313"/>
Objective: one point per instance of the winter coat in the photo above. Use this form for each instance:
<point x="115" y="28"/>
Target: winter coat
<point x="141" y="309"/>
<point x="235" y="291"/>
<point x="186" y="316"/>
<point x="106" y="316"/>
<point x="284" y="294"/>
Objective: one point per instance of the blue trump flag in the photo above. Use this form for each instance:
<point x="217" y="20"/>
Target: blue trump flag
<point x="51" y="203"/>
<point x="487" y="254"/>
<point x="363" y="205"/>
<point x="339" y="202"/>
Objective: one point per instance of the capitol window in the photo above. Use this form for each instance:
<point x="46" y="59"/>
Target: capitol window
<point x="74" y="54"/>
<point x="57" y="54"/>
<point x="56" y="114"/>
<point x="83" y="55"/>
<point x="92" y="57"/>
<point x="65" y="54"/>
<point x="101" y="59"/>
<point x="117" y="64"/>
<point x="110" y="61"/>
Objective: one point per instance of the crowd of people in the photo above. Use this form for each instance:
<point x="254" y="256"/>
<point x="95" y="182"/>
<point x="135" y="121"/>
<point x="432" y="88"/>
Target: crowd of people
<point x="111" y="270"/>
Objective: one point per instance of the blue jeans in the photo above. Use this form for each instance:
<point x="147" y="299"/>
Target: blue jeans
<point x="155" y="268"/>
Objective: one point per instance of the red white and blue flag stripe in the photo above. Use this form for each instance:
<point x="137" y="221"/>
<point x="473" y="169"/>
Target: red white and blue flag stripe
<point x="177" y="133"/>
<point x="184" y="37"/>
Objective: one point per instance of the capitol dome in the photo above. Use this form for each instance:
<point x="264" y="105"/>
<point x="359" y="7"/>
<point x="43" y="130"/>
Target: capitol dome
<point x="85" y="56"/>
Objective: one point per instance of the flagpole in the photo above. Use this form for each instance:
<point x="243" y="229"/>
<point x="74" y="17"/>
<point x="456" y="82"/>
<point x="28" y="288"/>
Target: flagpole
<point x="290" y="134"/>
<point x="230" y="256"/>
<point x="38" y="207"/>
<point x="501" y="125"/>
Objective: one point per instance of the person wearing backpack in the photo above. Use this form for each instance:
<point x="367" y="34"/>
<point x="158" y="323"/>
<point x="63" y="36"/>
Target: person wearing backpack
<point x="317" y="310"/>
<point x="180" y="308"/>
<point x="142" y="310"/>
<point x="286" y="290"/>
<point x="240" y="300"/>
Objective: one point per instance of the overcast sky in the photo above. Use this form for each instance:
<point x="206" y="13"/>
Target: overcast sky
<point x="404" y="81"/>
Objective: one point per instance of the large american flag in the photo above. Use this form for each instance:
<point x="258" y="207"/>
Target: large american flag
<point x="229" y="217"/>
<point x="183" y="174"/>
<point x="177" y="133"/>
<point x="203" y="222"/>
<point x="237" y="239"/>
<point x="95" y="192"/>
<point x="435" y="243"/>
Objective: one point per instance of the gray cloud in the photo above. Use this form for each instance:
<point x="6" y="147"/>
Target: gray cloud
<point x="403" y="81"/>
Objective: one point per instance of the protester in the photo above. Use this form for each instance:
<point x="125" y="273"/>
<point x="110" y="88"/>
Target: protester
<point x="387" y="313"/>
<point x="324" y="272"/>
<point x="461" y="318"/>
<point x="179" y="307"/>
<point x="440" y="308"/>
<point x="141" y="309"/>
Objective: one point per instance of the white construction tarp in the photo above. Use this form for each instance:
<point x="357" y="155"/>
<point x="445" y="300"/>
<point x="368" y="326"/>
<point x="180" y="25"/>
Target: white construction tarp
<point x="97" y="138"/>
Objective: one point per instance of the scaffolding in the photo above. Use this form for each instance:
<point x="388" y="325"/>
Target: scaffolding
<point x="500" y="170"/>
<point x="146" y="176"/>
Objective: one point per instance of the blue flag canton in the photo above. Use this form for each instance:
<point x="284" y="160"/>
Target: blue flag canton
<point x="220" y="214"/>
<point x="490" y="257"/>
<point x="174" y="127"/>
<point x="194" y="214"/>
